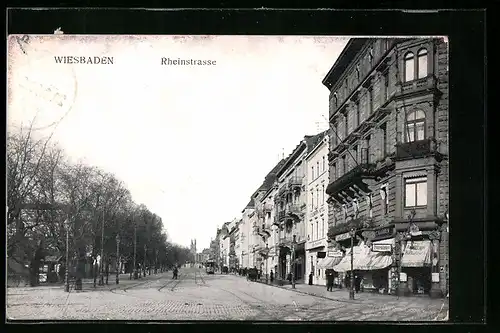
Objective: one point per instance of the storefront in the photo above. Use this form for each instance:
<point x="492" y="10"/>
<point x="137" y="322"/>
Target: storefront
<point x="416" y="264"/>
<point x="371" y="268"/>
<point x="332" y="258"/>
<point x="315" y="255"/>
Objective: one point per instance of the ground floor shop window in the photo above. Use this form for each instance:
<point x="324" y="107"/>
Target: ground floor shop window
<point x="419" y="279"/>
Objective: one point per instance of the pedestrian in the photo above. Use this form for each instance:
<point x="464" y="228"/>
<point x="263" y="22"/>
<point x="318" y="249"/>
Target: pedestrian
<point x="357" y="283"/>
<point x="311" y="278"/>
<point x="271" y="275"/>
<point x="329" y="280"/>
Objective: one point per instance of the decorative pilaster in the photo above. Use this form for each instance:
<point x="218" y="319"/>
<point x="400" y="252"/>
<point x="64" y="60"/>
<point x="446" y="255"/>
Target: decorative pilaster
<point x="435" y="291"/>
<point x="399" y="196"/>
<point x="431" y="192"/>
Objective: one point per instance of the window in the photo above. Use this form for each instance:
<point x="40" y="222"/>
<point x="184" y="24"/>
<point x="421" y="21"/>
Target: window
<point x="383" y="147"/>
<point x="370" y="101"/>
<point x="322" y="228"/>
<point x="317" y="197"/>
<point x="312" y="199"/>
<point x="368" y="148"/>
<point x="409" y="67"/>
<point x="339" y="132"/>
<point x="336" y="100"/>
<point x="415" y="126"/>
<point x="370" y="57"/>
<point x="346" y="126"/>
<point x="312" y="172"/>
<point x="386" y="85"/>
<point x="422" y="63"/>
<point x="416" y="192"/>
<point x="317" y="168"/>
<point x="334" y="171"/>
<point x="317" y="230"/>
<point x="312" y="231"/>
<point x="322" y="194"/>
<point x="324" y="164"/>
<point x="358" y="75"/>
<point x="357" y="114"/>
<point x="344" y="164"/>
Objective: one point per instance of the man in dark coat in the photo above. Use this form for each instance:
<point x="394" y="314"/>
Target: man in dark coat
<point x="329" y="280"/>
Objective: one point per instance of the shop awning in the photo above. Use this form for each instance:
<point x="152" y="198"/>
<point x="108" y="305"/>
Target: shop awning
<point x="329" y="262"/>
<point x="364" y="260"/>
<point x="374" y="261"/>
<point x="417" y="254"/>
<point x="359" y="255"/>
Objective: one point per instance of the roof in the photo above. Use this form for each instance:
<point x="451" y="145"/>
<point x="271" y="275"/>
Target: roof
<point x="308" y="143"/>
<point x="346" y="56"/>
<point x="267" y="183"/>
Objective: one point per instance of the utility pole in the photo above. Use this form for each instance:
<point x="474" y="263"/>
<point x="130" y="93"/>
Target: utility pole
<point x="66" y="274"/>
<point x="135" y="250"/>
<point x="117" y="259"/>
<point x="351" y="289"/>
<point x="144" y="265"/>
<point x="293" y="262"/>
<point x="101" y="279"/>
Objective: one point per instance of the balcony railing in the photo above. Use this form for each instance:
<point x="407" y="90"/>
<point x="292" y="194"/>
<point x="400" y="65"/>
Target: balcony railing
<point x="352" y="181"/>
<point x="415" y="149"/>
<point x="417" y="86"/>
<point x="294" y="182"/>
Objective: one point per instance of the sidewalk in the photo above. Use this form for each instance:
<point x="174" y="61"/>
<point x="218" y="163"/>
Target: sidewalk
<point x="88" y="283"/>
<point x="342" y="295"/>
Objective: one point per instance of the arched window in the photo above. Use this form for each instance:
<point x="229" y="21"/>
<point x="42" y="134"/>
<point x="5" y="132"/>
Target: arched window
<point x="409" y="67"/>
<point x="422" y="63"/>
<point x="415" y="126"/>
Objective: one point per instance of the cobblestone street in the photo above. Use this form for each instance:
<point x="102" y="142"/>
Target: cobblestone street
<point x="198" y="296"/>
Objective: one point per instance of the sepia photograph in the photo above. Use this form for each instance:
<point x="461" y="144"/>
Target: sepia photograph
<point x="227" y="178"/>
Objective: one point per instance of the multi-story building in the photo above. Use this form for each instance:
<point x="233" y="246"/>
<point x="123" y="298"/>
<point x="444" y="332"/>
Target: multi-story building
<point x="290" y="203"/>
<point x="247" y="235"/>
<point x="388" y="162"/>
<point x="224" y="244"/>
<point x="258" y="224"/>
<point x="317" y="209"/>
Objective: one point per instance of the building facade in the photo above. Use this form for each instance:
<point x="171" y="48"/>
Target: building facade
<point x="316" y="219"/>
<point x="290" y="211"/>
<point x="388" y="163"/>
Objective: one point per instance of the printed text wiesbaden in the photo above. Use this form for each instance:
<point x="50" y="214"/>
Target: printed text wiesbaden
<point x="84" y="60"/>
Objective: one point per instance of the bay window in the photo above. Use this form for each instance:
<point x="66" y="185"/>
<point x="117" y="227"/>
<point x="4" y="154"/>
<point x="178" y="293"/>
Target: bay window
<point x="416" y="192"/>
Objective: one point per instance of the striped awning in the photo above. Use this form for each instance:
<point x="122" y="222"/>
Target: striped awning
<point x="329" y="262"/>
<point x="364" y="260"/>
<point x="417" y="254"/>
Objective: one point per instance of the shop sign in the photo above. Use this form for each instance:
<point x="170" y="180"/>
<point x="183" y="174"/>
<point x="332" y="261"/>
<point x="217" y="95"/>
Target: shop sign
<point x="435" y="277"/>
<point x="384" y="232"/>
<point x="315" y="244"/>
<point x="335" y="254"/>
<point x="402" y="277"/>
<point x="381" y="247"/>
<point x="342" y="237"/>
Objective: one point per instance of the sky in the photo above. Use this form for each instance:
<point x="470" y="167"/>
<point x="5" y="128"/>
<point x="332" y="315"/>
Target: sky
<point x="192" y="143"/>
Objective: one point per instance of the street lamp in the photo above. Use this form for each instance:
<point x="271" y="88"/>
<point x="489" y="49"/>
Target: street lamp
<point x="351" y="289"/>
<point x="267" y="257"/>
<point x="117" y="259"/>
<point x="101" y="279"/>
<point x="144" y="265"/>
<point x="293" y="261"/>
<point x="66" y="274"/>
<point x="135" y="251"/>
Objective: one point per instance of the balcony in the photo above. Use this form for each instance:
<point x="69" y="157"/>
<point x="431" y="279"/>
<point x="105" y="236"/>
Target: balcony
<point x="264" y="230"/>
<point x="354" y="183"/>
<point x="292" y="212"/>
<point x="295" y="183"/>
<point x="417" y="87"/>
<point x="416" y="149"/>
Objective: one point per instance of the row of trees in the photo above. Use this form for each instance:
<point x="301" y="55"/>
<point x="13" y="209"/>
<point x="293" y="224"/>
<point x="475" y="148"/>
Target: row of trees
<point x="48" y="195"/>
